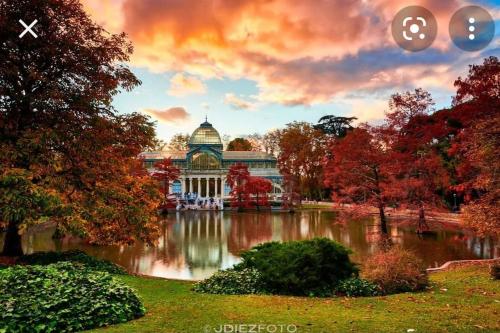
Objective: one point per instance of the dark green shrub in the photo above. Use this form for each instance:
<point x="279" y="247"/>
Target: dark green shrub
<point x="356" y="287"/>
<point x="304" y="268"/>
<point x="495" y="271"/>
<point x="45" y="258"/>
<point x="63" y="297"/>
<point x="396" y="270"/>
<point x="232" y="282"/>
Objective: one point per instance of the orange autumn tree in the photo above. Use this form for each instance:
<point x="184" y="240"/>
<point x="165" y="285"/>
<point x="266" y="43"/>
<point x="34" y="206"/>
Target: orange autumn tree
<point x="302" y="149"/>
<point x="165" y="172"/>
<point x="359" y="172"/>
<point x="61" y="139"/>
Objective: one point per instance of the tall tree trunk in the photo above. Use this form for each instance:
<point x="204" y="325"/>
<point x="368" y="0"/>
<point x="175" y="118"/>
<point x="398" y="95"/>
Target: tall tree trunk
<point x="383" y="220"/>
<point x="422" y="223"/>
<point x="12" y="246"/>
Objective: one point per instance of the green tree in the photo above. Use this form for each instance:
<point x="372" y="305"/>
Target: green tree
<point x="335" y="126"/>
<point x="22" y="203"/>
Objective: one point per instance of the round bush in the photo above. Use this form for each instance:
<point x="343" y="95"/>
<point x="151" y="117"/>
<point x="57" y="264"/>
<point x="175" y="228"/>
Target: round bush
<point x="232" y="282"/>
<point x="45" y="258"/>
<point x="396" y="270"/>
<point x="63" y="297"/>
<point x="303" y="268"/>
<point x="356" y="287"/>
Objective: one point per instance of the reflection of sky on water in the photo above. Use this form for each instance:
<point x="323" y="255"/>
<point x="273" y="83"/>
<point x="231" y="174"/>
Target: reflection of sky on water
<point x="194" y="245"/>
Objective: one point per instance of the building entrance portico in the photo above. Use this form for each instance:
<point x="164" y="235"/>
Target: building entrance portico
<point x="204" y="186"/>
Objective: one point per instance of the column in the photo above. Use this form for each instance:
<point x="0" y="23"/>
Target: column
<point x="222" y="186"/>
<point x="190" y="185"/>
<point x="199" y="187"/>
<point x="183" y="185"/>
<point x="216" y="192"/>
<point x="208" y="186"/>
<point x="219" y="186"/>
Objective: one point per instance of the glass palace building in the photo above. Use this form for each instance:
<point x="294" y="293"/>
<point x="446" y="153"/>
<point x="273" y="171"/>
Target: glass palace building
<point x="205" y="165"/>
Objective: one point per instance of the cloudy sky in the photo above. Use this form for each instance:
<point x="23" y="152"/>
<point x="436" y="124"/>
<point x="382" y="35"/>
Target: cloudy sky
<point x="254" y="65"/>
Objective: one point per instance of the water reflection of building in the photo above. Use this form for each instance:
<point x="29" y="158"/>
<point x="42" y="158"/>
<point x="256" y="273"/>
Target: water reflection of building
<point x="196" y="244"/>
<point x="201" y="240"/>
<point x="204" y="166"/>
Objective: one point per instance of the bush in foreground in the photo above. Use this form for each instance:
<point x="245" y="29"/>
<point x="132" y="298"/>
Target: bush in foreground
<point x="63" y="297"/>
<point x="232" y="282"/>
<point x="396" y="270"/>
<point x="356" y="287"/>
<point x="303" y="268"/>
<point x="46" y="258"/>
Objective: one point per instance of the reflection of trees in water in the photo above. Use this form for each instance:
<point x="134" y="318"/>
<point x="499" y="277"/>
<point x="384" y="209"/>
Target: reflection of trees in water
<point x="248" y="230"/>
<point x="199" y="243"/>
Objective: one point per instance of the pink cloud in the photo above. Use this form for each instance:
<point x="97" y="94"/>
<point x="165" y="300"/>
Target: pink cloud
<point x="172" y="115"/>
<point x="297" y="52"/>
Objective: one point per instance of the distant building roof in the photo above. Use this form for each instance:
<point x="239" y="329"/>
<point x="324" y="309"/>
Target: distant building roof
<point x="158" y="155"/>
<point x="246" y="155"/>
<point x="207" y="136"/>
<point x="226" y="155"/>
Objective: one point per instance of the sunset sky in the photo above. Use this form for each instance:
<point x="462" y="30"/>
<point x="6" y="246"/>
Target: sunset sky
<point x="254" y="65"/>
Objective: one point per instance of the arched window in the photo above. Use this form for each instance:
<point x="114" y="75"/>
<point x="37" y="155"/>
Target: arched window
<point x="204" y="161"/>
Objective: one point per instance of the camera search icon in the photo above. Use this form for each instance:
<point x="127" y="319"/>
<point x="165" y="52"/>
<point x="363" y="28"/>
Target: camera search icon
<point x="414" y="28"/>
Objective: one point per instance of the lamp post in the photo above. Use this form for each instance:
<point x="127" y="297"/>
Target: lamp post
<point x="455" y="208"/>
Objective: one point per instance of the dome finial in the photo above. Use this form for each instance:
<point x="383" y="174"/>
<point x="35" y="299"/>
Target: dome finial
<point x="206" y="118"/>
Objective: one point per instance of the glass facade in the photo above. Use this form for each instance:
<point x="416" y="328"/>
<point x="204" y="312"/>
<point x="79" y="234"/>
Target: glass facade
<point x="205" y="161"/>
<point x="204" y="164"/>
<point x="205" y="135"/>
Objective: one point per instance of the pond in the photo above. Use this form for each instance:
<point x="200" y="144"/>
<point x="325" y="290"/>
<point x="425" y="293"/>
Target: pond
<point x="194" y="245"/>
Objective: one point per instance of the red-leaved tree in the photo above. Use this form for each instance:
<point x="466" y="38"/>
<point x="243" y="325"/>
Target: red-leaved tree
<point x="237" y="178"/>
<point x="359" y="171"/>
<point x="420" y="175"/>
<point x="259" y="188"/>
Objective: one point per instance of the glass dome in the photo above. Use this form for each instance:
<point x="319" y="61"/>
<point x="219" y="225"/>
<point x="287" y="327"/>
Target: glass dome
<point x="205" y="135"/>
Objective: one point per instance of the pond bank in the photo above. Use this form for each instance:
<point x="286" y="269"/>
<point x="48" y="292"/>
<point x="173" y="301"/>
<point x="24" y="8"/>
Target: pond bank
<point x="431" y="215"/>
<point x="464" y="263"/>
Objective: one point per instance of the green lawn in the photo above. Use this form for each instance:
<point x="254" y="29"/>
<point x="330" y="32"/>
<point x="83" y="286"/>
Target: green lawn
<point x="464" y="300"/>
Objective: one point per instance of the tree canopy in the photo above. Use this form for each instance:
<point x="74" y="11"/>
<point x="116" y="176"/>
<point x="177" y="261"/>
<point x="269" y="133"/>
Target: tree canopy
<point x="57" y="122"/>
<point x="239" y="144"/>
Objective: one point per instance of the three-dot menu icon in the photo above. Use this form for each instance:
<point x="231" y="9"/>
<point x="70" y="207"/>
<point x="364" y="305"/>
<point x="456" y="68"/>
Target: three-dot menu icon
<point x="471" y="28"/>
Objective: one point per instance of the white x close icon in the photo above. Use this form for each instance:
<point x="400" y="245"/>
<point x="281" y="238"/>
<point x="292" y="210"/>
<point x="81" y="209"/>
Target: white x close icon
<point x="28" y="28"/>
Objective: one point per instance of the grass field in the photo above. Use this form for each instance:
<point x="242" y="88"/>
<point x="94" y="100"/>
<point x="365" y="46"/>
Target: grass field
<point x="462" y="300"/>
